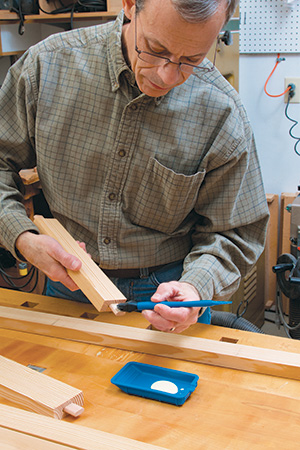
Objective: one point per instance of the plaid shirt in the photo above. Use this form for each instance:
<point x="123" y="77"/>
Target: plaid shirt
<point x="142" y="181"/>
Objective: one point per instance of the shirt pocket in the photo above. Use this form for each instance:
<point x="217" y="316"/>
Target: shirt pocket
<point x="164" y="198"/>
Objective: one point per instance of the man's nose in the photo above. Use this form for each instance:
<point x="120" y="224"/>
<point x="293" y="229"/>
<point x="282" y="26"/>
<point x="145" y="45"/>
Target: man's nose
<point x="170" y="74"/>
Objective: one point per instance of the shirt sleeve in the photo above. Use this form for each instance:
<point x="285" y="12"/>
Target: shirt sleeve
<point x="17" y="113"/>
<point x="233" y="214"/>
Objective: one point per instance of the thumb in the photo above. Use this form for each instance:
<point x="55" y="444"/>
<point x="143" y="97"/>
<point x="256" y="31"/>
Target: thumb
<point x="66" y="259"/>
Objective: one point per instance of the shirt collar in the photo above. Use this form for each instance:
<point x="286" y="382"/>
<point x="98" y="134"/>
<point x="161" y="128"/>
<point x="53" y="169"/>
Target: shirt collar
<point x="116" y="61"/>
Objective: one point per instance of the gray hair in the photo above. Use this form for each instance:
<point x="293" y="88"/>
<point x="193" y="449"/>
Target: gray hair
<point x="197" y="11"/>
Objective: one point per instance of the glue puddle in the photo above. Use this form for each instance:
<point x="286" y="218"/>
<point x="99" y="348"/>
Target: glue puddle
<point x="165" y="386"/>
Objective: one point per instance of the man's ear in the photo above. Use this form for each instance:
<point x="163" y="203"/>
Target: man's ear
<point x="129" y="8"/>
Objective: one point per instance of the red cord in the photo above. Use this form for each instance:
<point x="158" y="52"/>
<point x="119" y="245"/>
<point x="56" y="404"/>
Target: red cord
<point x="278" y="60"/>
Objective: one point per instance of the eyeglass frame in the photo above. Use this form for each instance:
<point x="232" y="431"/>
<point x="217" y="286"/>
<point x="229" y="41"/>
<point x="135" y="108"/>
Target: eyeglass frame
<point x="169" y="61"/>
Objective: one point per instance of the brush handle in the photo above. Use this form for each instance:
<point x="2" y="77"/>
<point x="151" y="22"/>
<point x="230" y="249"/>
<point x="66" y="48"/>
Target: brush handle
<point x="186" y="304"/>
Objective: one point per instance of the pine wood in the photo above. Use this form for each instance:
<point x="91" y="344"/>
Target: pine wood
<point x="230" y="409"/>
<point x="271" y="250"/>
<point x="93" y="282"/>
<point x="32" y="187"/>
<point x="30" y="428"/>
<point x="41" y="303"/>
<point x="29" y="176"/>
<point x="64" y="307"/>
<point x="37" y="391"/>
<point x="223" y="354"/>
<point x="14" y="440"/>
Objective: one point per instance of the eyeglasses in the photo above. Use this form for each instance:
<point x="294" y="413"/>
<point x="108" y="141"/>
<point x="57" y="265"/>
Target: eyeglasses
<point x="157" y="60"/>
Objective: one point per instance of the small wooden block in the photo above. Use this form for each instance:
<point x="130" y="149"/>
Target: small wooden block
<point x="29" y="176"/>
<point x="115" y="310"/>
<point x="73" y="409"/>
<point x="38" y="392"/>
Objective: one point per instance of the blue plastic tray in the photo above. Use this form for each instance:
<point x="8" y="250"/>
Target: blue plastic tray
<point x="157" y="383"/>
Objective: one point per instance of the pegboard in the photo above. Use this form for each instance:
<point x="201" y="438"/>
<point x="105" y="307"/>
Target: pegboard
<point x="269" y="26"/>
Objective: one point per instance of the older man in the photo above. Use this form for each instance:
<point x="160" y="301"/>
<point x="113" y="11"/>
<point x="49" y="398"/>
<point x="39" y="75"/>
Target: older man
<point x="144" y="152"/>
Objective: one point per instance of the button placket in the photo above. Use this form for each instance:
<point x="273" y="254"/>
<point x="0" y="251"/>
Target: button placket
<point x="115" y="181"/>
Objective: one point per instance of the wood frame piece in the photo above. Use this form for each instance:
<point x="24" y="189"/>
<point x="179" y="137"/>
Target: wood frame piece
<point x="93" y="282"/>
<point x="285" y="233"/>
<point x="271" y="250"/>
<point x="233" y="356"/>
<point x="68" y="435"/>
<point x="38" y="392"/>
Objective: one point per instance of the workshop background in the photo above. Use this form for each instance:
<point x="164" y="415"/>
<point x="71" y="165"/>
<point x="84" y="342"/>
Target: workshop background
<point x="260" y="62"/>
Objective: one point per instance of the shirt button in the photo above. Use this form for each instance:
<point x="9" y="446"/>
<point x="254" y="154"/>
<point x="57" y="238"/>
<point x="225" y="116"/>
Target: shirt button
<point x="112" y="196"/>
<point x="122" y="153"/>
<point x="134" y="107"/>
<point x="107" y="241"/>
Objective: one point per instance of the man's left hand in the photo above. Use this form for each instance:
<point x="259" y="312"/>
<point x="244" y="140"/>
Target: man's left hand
<point x="173" y="320"/>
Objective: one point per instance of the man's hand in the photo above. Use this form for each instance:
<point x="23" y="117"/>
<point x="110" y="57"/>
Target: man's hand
<point x="47" y="254"/>
<point x="176" y="320"/>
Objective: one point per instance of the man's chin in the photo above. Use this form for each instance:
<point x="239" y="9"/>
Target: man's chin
<point x="152" y="91"/>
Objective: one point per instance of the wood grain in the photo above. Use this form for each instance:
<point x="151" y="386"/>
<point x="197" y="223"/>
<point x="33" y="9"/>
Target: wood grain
<point x="30" y="428"/>
<point x="230" y="409"/>
<point x="36" y="391"/>
<point x="223" y="354"/>
<point x="93" y="282"/>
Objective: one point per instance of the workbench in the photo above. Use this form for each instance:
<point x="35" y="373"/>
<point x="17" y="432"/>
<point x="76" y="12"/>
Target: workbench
<point x="230" y="409"/>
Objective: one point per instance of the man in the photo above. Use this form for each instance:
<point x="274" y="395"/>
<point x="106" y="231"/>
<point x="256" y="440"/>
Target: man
<point x="144" y="153"/>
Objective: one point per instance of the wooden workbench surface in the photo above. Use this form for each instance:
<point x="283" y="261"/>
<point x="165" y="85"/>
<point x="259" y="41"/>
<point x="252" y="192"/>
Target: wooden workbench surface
<point x="229" y="409"/>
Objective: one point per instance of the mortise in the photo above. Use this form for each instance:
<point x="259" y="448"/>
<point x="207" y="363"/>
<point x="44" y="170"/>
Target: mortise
<point x="29" y="304"/>
<point x="36" y="368"/>
<point x="227" y="339"/>
<point x="87" y="315"/>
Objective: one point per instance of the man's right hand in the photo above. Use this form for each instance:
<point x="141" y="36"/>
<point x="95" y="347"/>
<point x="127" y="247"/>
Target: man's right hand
<point x="47" y="255"/>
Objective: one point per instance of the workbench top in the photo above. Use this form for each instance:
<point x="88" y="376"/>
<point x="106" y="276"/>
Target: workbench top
<point x="230" y="409"/>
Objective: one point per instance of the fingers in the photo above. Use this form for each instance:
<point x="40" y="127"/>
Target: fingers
<point x="67" y="260"/>
<point x="175" y="290"/>
<point x="159" y="322"/>
<point x="56" y="262"/>
<point x="173" y="320"/>
<point x="175" y="314"/>
<point x="83" y="246"/>
<point x="47" y="255"/>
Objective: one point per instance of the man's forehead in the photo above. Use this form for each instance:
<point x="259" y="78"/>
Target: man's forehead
<point x="172" y="34"/>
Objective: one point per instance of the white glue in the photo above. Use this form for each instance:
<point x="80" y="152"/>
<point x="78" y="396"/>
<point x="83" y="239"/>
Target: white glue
<point x="165" y="386"/>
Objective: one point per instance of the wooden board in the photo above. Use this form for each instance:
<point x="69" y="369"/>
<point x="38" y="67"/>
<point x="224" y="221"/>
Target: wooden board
<point x="29" y="176"/>
<point x="38" y="392"/>
<point x="65" y="307"/>
<point x="271" y="250"/>
<point x="18" y="428"/>
<point x="93" y="282"/>
<point x="187" y="348"/>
